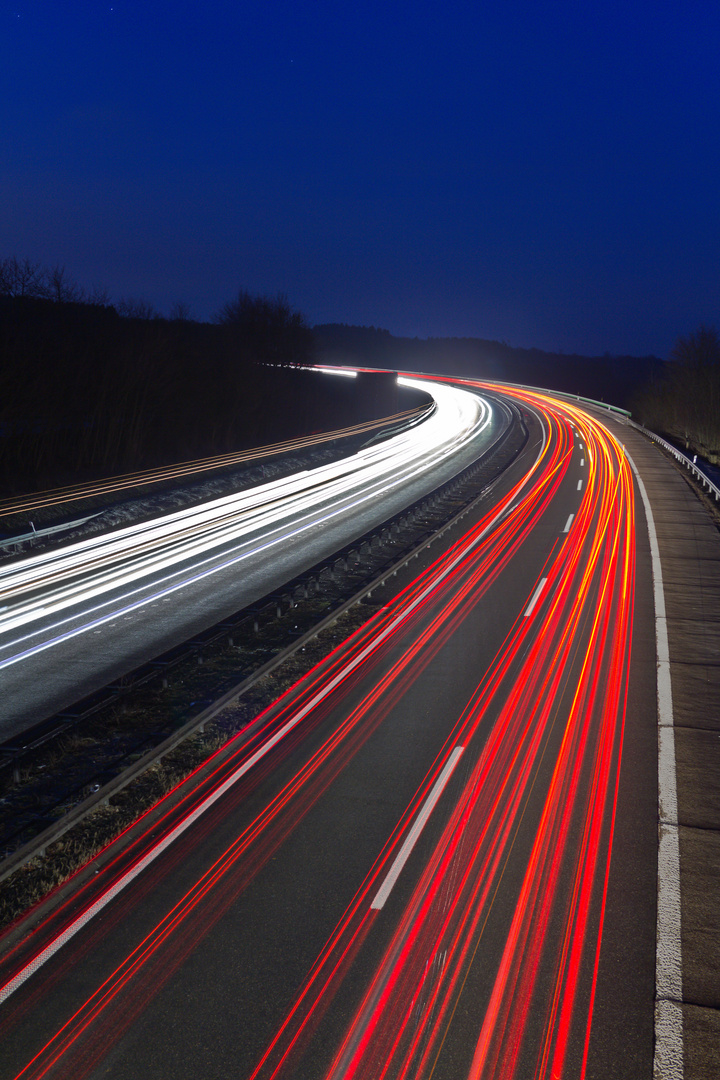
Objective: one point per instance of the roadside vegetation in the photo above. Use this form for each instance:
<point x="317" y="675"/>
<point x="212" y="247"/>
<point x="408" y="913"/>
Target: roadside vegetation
<point x="613" y="379"/>
<point x="90" y="388"/>
<point x="678" y="398"/>
<point x="684" y="404"/>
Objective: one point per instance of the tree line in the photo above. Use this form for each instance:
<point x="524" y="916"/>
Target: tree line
<point x="613" y="379"/>
<point x="678" y="398"/>
<point x="684" y="403"/>
<point x="90" y="389"/>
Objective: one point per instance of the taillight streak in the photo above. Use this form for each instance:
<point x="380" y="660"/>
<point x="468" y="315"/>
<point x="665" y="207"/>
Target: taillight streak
<point x="580" y="625"/>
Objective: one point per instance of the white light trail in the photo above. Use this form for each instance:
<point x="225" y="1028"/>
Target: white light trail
<point x="100" y="578"/>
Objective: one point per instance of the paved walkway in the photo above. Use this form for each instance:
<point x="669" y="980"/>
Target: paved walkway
<point x="688" y="536"/>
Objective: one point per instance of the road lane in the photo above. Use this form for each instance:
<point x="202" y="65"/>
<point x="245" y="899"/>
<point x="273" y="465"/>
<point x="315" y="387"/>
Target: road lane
<point x="73" y="620"/>
<point x="253" y="941"/>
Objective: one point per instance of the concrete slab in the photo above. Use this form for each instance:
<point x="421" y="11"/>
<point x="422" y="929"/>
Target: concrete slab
<point x="696" y="695"/>
<point x="697" y="756"/>
<point x="698" y="573"/>
<point x="701" y="1035"/>
<point x="681" y="529"/>
<point x="689" y="543"/>
<point x="683" y="601"/>
<point x="700" y="899"/>
<point x="694" y="640"/>
<point x="673" y="510"/>
<point x="689" y="547"/>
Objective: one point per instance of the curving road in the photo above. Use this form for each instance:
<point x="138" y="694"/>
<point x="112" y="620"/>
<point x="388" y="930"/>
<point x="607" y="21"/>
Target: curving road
<point x="434" y="856"/>
<point x="73" y="619"/>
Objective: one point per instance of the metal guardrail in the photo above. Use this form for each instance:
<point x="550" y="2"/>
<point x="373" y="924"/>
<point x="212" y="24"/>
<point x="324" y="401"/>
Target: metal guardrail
<point x="569" y="397"/>
<point x="38" y="844"/>
<point x="10" y="541"/>
<point x="690" y="465"/>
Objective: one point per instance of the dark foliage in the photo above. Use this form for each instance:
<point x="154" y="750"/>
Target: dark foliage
<point x="613" y="379"/>
<point x="684" y="403"/>
<point x="87" y="392"/>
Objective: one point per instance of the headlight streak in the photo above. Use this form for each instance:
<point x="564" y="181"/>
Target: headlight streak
<point x="274" y="513"/>
<point x="61" y="496"/>
<point x="54" y="936"/>
<point x="543" y="740"/>
<point x="318" y="683"/>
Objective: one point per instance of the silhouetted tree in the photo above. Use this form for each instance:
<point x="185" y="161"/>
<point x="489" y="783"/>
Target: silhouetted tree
<point x="22" y="277"/>
<point x="685" y="403"/>
<point x="266" y="329"/>
<point x="61" y="288"/>
<point x="695" y="378"/>
<point x="88" y="390"/>
<point x="180" y="312"/>
<point x="130" y="307"/>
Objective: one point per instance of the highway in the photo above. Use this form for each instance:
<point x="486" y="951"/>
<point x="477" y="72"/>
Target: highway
<point x="73" y="619"/>
<point x="433" y="856"/>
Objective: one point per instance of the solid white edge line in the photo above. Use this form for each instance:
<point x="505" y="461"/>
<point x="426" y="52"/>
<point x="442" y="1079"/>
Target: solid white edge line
<point x="33" y="965"/>
<point x="535" y="597"/>
<point x="568" y="523"/>
<point x="668" y="1063"/>
<point x="411" y="839"/>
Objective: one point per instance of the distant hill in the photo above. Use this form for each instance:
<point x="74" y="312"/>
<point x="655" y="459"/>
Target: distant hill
<point x="618" y="380"/>
<point x="86" y="392"/>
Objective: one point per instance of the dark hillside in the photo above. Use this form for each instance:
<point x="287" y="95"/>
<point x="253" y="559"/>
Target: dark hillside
<point x="87" y="393"/>
<point x="614" y="379"/>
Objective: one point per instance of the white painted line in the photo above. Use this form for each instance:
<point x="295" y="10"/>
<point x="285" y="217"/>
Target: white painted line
<point x="579" y="485"/>
<point x="411" y="839"/>
<point x="535" y="597"/>
<point x="668" y="1063"/>
<point x="582" y="460"/>
<point x="579" y="446"/>
<point x="568" y="523"/>
<point x="33" y="965"/>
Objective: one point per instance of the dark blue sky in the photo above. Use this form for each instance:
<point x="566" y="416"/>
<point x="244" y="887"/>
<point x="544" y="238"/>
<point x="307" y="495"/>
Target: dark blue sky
<point x="547" y="173"/>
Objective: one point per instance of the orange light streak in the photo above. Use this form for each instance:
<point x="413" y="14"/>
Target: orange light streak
<point x="544" y="730"/>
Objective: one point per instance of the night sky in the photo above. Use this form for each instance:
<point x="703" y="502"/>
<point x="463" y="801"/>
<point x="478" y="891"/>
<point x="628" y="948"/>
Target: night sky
<point x="544" y="173"/>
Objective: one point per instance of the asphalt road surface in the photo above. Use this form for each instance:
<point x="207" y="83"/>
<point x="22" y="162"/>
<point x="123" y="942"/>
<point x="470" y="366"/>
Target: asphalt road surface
<point x="434" y="856"/>
<point x="73" y="620"/>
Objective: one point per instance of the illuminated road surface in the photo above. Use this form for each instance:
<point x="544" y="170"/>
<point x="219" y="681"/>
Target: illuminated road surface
<point x="404" y="868"/>
<point x="73" y="619"/>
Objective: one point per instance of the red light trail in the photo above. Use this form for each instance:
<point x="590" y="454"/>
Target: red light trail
<point x="505" y="988"/>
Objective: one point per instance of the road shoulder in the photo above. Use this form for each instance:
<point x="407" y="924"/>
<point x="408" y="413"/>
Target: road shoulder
<point x="689" y="550"/>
